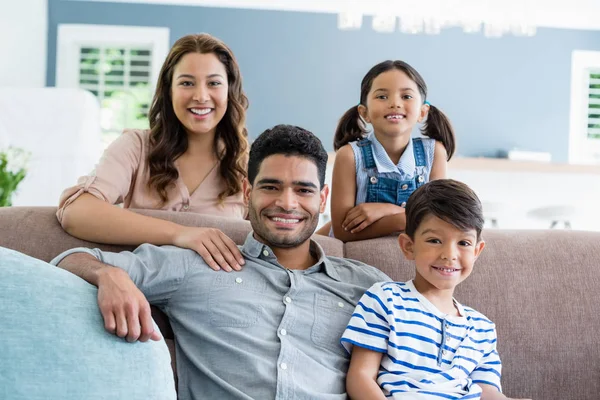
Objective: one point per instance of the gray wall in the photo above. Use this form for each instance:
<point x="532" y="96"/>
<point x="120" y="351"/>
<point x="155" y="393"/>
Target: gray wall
<point x="298" y="68"/>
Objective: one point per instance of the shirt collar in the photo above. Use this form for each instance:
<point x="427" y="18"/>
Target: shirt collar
<point x="406" y="164"/>
<point x="254" y="248"/>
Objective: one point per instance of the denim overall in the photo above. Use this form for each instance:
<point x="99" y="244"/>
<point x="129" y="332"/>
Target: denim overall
<point x="388" y="188"/>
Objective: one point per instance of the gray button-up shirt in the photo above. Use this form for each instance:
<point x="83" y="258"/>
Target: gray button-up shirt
<point x="265" y="332"/>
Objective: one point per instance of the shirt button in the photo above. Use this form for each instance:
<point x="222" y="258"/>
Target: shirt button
<point x="341" y="305"/>
<point x="373" y="180"/>
<point x="447" y="339"/>
<point x="239" y="280"/>
<point x="186" y="207"/>
<point x="283" y="366"/>
<point x="288" y="299"/>
<point x="421" y="178"/>
<point x="403" y="204"/>
<point x="283" y="332"/>
<point x="265" y="253"/>
<point x="404" y="187"/>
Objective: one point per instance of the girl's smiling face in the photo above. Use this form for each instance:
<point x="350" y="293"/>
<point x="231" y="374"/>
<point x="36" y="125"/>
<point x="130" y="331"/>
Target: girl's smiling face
<point x="394" y="105"/>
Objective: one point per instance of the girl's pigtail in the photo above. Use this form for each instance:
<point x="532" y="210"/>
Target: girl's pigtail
<point x="350" y="128"/>
<point x="438" y="127"/>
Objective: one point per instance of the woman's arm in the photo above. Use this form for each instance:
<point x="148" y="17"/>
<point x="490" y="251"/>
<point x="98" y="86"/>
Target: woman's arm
<point x="361" y="381"/>
<point x="377" y="219"/>
<point x="90" y="218"/>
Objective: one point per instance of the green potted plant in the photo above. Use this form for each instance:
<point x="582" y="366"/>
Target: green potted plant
<point x="13" y="168"/>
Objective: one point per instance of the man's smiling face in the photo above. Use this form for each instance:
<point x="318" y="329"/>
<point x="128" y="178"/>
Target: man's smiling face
<point x="285" y="201"/>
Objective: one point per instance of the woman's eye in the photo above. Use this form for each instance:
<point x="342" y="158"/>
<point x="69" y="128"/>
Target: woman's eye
<point x="407" y="97"/>
<point x="382" y="97"/>
<point x="185" y="83"/>
<point x="214" y="83"/>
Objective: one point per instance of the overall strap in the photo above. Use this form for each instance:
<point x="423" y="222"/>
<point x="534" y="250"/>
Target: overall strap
<point x="419" y="152"/>
<point x="367" y="153"/>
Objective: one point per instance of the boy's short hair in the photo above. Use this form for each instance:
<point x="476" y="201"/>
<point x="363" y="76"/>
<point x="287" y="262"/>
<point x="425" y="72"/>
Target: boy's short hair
<point x="447" y="199"/>
<point x="287" y="140"/>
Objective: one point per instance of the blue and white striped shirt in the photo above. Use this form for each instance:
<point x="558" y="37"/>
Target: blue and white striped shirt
<point x="427" y="354"/>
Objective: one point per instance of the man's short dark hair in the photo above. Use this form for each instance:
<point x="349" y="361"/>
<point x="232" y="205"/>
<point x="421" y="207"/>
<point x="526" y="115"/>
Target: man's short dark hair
<point x="287" y="140"/>
<point x="447" y="199"/>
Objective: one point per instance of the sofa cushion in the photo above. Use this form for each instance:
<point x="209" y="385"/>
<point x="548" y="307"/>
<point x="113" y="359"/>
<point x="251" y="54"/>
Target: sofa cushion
<point x="53" y="343"/>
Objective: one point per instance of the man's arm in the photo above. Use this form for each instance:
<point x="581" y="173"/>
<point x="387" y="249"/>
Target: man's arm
<point x="125" y="310"/>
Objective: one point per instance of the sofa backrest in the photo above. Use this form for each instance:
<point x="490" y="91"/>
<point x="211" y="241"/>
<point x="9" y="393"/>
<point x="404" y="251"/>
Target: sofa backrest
<point x="541" y="288"/>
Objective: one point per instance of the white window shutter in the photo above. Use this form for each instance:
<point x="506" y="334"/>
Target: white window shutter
<point x="593" y="113"/>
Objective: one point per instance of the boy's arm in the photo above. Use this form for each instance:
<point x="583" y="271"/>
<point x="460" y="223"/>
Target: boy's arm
<point x="361" y="382"/>
<point x="489" y="392"/>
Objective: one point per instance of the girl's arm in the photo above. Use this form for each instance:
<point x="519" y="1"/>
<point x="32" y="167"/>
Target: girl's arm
<point x="377" y="219"/>
<point x="90" y="218"/>
<point x="361" y="381"/>
<point x="440" y="163"/>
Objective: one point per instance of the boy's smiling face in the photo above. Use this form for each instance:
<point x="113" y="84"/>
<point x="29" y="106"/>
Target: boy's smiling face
<point x="444" y="255"/>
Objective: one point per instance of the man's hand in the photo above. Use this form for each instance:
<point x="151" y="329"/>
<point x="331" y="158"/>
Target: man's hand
<point x="365" y="214"/>
<point x="216" y="248"/>
<point x="125" y="310"/>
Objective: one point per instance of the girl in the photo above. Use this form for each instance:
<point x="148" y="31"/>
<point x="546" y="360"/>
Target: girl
<point x="193" y="158"/>
<point x="374" y="174"/>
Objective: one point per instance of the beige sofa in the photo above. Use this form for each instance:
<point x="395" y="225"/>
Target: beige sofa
<point x="540" y="287"/>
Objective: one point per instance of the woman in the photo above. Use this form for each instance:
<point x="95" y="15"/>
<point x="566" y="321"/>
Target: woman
<point x="192" y="159"/>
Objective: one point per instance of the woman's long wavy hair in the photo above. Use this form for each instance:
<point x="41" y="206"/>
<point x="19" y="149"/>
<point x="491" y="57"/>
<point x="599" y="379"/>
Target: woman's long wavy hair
<point x="351" y="126"/>
<point x="168" y="137"/>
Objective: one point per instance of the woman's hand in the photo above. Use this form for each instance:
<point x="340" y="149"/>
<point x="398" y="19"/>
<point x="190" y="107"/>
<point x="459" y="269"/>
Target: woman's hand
<point x="365" y="214"/>
<point x="216" y="248"/>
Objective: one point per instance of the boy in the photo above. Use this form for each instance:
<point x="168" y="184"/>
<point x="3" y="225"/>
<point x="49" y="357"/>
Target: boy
<point x="413" y="340"/>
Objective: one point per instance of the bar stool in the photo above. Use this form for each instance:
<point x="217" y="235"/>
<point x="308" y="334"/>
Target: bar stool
<point x="494" y="211"/>
<point x="555" y="214"/>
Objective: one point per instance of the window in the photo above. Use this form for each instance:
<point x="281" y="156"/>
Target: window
<point x="584" y="137"/>
<point x="118" y="64"/>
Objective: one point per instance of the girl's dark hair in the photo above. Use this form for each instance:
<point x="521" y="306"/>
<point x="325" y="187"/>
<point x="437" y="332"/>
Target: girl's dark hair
<point x="351" y="126"/>
<point x="168" y="138"/>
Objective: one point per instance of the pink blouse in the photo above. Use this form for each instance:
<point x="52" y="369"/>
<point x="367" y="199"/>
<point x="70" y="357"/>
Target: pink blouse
<point x="121" y="176"/>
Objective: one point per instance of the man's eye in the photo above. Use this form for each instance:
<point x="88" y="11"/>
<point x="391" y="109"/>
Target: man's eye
<point x="269" y="188"/>
<point x="306" y="191"/>
<point x="382" y="97"/>
<point x="464" y="243"/>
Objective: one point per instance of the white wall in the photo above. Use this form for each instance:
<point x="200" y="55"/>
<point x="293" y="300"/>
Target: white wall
<point x="23" y="43"/>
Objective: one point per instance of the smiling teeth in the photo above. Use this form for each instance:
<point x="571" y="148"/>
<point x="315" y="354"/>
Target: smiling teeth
<point x="395" y="117"/>
<point x="447" y="269"/>
<point x="202" y="111"/>
<point x="285" y="221"/>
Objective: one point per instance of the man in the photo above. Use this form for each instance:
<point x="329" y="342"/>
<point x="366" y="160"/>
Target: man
<point x="271" y="330"/>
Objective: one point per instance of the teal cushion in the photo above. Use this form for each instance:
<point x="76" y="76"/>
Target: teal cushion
<point x="53" y="344"/>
